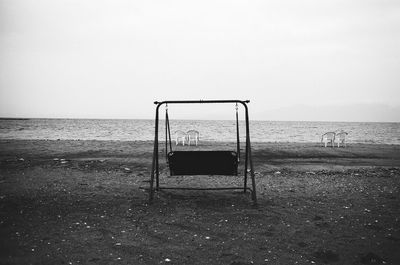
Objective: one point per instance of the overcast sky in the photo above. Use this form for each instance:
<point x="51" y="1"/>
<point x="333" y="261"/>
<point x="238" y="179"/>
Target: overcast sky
<point x="295" y="60"/>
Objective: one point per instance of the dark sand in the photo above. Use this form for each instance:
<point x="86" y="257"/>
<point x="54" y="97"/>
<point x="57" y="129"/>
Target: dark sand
<point x="316" y="205"/>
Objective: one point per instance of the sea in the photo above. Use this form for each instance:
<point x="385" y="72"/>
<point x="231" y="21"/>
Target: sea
<point x="210" y="130"/>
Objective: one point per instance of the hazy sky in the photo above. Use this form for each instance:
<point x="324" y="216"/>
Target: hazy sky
<point x="295" y="60"/>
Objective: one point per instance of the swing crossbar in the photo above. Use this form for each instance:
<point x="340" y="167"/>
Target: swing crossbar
<point x="203" y="163"/>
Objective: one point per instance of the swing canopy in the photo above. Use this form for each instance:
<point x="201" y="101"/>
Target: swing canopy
<point x="189" y="163"/>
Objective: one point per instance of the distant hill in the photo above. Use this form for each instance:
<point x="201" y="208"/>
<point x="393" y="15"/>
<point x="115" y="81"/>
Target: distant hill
<point x="350" y="113"/>
<point x="17" y="119"/>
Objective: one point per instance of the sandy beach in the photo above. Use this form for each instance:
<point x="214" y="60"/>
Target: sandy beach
<point x="86" y="202"/>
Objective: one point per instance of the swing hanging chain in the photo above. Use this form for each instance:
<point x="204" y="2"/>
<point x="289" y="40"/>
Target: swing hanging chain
<point x="166" y="128"/>
<point x="237" y="134"/>
<point x="167" y="134"/>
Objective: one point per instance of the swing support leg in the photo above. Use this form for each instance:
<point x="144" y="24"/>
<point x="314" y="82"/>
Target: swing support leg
<point x="249" y="160"/>
<point x="152" y="183"/>
<point x="155" y="167"/>
<point x="253" y="179"/>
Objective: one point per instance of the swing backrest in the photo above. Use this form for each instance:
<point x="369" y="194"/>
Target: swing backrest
<point x="203" y="163"/>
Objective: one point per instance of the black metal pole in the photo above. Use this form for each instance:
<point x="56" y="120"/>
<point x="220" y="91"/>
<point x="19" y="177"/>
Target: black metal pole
<point x="156" y="148"/>
<point x="152" y="180"/>
<point x="200" y="101"/>
<point x="154" y="163"/>
<point x="246" y="159"/>
<point x="253" y="181"/>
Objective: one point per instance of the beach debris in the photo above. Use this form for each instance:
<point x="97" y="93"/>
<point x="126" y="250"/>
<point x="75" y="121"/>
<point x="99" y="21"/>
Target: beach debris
<point x="127" y="170"/>
<point x="61" y="160"/>
<point x="277" y="173"/>
<point x="21" y="159"/>
<point x="167" y="260"/>
<point x="317" y="218"/>
<point x="372" y="258"/>
<point x="326" y="256"/>
<point x="310" y="172"/>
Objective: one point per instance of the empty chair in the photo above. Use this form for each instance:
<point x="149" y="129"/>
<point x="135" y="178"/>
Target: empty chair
<point x="180" y="136"/>
<point x="328" y="138"/>
<point x="341" y="138"/>
<point x="192" y="135"/>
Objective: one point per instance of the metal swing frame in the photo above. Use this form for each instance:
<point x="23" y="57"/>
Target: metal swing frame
<point x="155" y="172"/>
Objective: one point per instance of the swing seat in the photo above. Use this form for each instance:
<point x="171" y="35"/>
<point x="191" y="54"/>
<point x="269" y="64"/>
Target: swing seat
<point x="203" y="163"/>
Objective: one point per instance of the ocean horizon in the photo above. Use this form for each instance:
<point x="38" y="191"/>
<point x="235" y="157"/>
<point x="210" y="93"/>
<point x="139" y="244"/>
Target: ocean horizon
<point x="210" y="130"/>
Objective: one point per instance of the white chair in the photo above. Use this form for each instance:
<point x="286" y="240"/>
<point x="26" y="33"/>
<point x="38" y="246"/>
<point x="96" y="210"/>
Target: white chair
<point x="192" y="135"/>
<point x="328" y="137"/>
<point x="341" y="138"/>
<point x="180" y="136"/>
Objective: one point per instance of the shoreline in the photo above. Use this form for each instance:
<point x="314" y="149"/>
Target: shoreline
<point x="266" y="156"/>
<point x="208" y="141"/>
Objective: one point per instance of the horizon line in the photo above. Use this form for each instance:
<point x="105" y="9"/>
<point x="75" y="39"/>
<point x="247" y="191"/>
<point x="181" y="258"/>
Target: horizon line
<point x="271" y="120"/>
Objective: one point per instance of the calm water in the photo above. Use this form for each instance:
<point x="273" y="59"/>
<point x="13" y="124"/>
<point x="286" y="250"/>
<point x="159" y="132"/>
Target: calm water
<point x="131" y="130"/>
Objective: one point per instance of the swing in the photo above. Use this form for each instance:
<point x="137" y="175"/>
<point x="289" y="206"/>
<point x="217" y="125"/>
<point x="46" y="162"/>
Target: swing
<point x="191" y="163"/>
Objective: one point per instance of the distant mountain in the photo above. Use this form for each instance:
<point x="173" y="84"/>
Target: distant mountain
<point x="5" y="118"/>
<point x="353" y="113"/>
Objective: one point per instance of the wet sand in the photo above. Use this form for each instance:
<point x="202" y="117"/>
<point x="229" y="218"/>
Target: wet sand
<point x="86" y="202"/>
